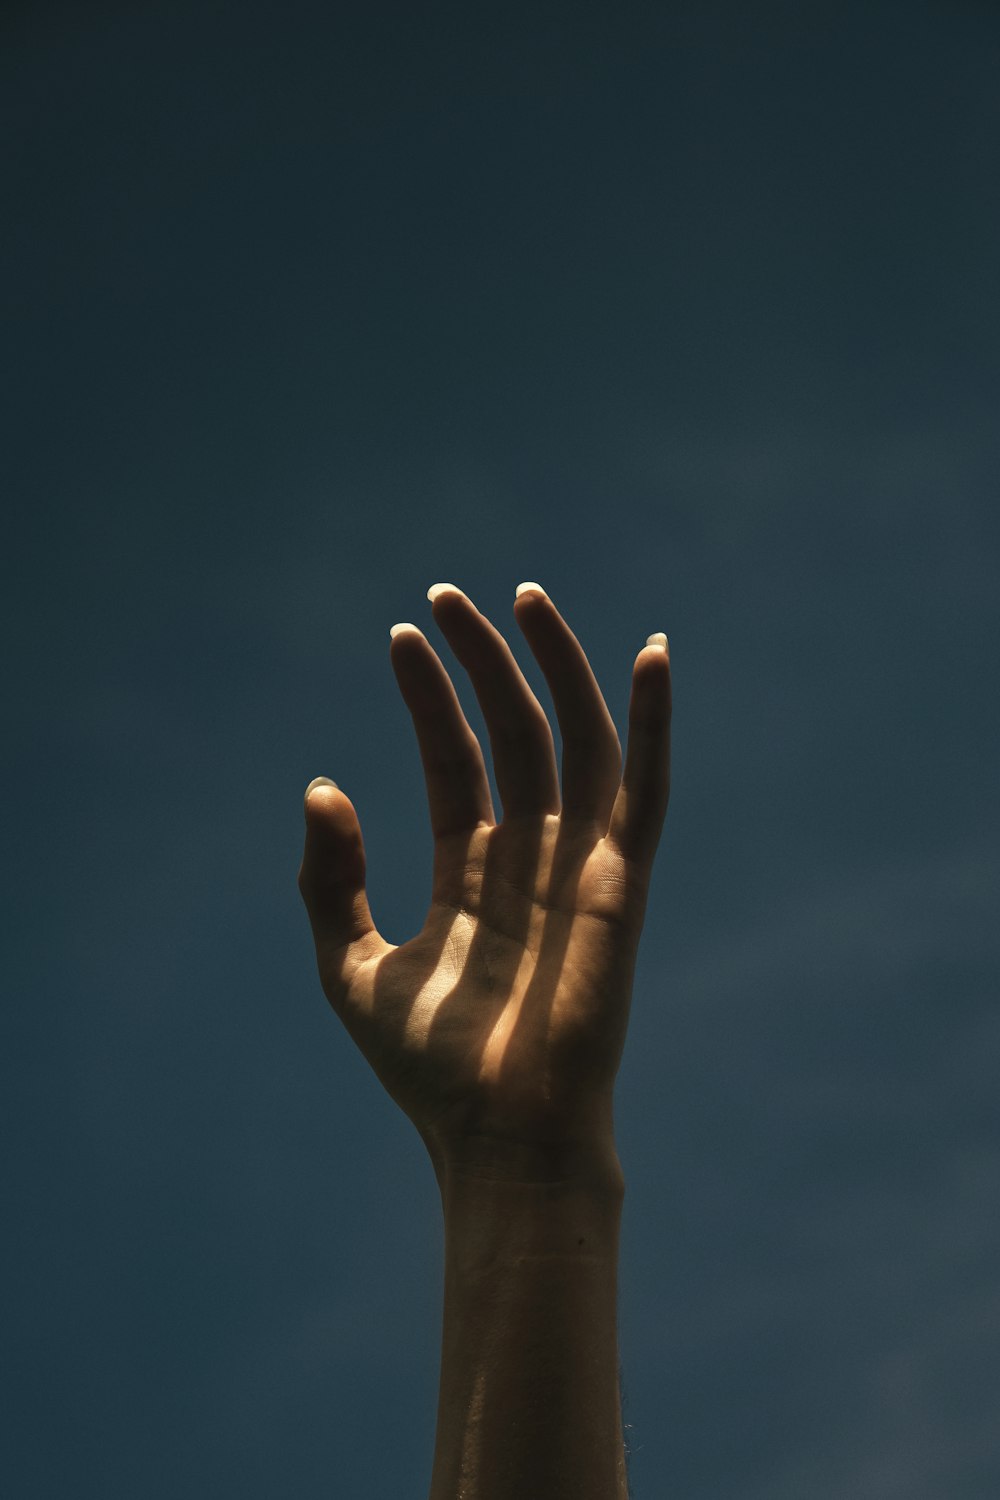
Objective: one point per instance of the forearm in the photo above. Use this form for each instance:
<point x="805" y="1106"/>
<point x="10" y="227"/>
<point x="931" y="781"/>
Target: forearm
<point x="529" y="1405"/>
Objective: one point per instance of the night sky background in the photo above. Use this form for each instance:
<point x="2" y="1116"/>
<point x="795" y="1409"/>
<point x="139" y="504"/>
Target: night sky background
<point x="691" y="313"/>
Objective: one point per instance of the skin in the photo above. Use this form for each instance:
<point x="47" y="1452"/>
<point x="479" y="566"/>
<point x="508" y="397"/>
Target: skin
<point x="498" y="1029"/>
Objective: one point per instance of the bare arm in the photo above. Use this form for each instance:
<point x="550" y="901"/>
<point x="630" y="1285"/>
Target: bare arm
<point x="499" y="1028"/>
<point x="529" y="1401"/>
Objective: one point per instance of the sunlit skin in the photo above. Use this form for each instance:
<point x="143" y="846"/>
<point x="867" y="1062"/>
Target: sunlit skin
<point x="499" y="1029"/>
<point x="505" y="1016"/>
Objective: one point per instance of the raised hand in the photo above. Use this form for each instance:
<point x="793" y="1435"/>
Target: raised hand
<point x="500" y="1025"/>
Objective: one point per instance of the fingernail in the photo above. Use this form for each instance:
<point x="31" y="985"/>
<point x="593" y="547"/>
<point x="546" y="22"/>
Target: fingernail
<point x="523" y="588"/>
<point x="403" y="625"/>
<point x="320" y="781"/>
<point x="658" y="639"/>
<point x="441" y="588"/>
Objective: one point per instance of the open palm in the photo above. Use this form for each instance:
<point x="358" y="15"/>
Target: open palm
<point x="505" y="1016"/>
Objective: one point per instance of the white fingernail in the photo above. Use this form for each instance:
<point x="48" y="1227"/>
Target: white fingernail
<point x="523" y="588"/>
<point x="441" y="588"/>
<point x="403" y="625"/>
<point x="658" y="639"/>
<point x="320" y="781"/>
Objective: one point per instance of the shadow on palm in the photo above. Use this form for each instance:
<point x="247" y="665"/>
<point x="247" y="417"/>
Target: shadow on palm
<point x="506" y="1016"/>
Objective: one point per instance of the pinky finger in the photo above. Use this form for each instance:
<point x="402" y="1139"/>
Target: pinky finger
<point x="641" y="804"/>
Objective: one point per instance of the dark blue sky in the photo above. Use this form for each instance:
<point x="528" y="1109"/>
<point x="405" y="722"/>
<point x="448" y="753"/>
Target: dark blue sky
<point x="691" y="313"/>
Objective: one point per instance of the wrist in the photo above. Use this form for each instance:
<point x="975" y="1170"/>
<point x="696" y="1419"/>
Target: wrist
<point x="555" y="1146"/>
<point x="481" y="1162"/>
<point x="507" y="1203"/>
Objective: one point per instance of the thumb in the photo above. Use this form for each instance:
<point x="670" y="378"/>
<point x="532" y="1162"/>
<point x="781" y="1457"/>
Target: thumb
<point x="332" y="881"/>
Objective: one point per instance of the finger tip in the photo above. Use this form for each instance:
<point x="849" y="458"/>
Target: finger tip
<point x="652" y="663"/>
<point x="656" y="649"/>
<point x="320" y="788"/>
<point x="532" y="589"/>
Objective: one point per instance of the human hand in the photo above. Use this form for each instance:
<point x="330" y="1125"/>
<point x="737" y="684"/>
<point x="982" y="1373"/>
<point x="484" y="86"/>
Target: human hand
<point x="501" y="1024"/>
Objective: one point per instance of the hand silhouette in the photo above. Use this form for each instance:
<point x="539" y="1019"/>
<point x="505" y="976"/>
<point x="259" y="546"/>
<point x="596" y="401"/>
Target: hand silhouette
<point x="502" y="1022"/>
